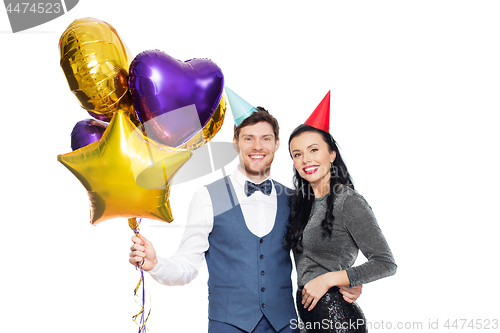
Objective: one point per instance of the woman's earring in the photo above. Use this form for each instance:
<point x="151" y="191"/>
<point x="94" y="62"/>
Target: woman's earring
<point x="333" y="171"/>
<point x="302" y="189"/>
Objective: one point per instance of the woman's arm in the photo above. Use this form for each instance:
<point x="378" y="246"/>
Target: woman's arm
<point x="363" y="227"/>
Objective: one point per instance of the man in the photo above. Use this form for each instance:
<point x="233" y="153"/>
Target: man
<point x="245" y="216"/>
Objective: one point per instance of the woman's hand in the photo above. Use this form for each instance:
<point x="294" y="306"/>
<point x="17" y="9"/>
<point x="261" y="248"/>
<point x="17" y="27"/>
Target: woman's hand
<point x="316" y="288"/>
<point x="142" y="249"/>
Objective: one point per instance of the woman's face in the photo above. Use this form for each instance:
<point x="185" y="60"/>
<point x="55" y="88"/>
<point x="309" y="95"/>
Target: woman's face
<point x="311" y="158"/>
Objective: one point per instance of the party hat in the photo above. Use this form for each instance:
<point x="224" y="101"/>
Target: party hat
<point x="320" y="118"/>
<point x="241" y="109"/>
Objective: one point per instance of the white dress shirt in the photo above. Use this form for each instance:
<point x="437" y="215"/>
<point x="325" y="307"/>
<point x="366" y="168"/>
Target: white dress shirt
<point x="259" y="211"/>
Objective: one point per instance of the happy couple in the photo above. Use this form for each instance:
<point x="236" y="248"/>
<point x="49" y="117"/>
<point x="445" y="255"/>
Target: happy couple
<point x="247" y="223"/>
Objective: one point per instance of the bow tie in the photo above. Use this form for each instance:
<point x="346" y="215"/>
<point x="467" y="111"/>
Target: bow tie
<point x="265" y="187"/>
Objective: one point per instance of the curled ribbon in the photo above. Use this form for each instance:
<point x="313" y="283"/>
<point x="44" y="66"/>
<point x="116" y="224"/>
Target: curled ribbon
<point x="134" y="225"/>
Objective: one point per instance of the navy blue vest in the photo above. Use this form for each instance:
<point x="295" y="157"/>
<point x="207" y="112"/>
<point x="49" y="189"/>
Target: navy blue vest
<point x="248" y="276"/>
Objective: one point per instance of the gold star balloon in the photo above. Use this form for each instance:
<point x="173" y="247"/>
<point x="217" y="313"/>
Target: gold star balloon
<point x="95" y="62"/>
<point x="125" y="173"/>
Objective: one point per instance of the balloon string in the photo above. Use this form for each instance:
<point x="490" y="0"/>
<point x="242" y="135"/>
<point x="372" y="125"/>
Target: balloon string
<point x="134" y="225"/>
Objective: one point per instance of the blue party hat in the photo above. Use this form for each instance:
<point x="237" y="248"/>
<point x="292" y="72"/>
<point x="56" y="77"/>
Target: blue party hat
<point x="241" y="109"/>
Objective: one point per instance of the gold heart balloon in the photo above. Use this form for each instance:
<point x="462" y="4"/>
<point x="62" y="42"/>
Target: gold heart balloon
<point x="95" y="62"/>
<point x="209" y="130"/>
<point x="125" y="173"/>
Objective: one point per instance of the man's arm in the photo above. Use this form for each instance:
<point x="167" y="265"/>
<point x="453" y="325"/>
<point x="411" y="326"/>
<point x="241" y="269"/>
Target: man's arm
<point x="184" y="264"/>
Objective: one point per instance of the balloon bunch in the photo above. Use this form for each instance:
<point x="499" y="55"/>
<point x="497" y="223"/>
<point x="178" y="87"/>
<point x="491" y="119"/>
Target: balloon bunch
<point x="158" y="108"/>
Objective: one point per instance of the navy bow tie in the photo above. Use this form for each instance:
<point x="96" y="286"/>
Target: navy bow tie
<point x="265" y="187"/>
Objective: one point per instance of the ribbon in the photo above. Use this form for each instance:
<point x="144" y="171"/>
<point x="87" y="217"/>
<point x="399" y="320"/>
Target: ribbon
<point x="134" y="225"/>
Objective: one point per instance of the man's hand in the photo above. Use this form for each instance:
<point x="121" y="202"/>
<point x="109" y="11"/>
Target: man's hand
<point x="351" y="294"/>
<point x="142" y="249"/>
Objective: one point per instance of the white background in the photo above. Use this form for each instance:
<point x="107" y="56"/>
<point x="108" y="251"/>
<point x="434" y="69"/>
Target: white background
<point x="415" y="97"/>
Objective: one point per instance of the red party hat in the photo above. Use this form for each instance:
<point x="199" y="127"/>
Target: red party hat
<point x="320" y="118"/>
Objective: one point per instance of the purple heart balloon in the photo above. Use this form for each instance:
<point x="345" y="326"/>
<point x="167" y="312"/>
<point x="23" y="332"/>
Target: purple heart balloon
<point x="85" y="132"/>
<point x="174" y="99"/>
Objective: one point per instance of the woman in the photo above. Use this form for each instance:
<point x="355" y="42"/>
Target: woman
<point x="329" y="222"/>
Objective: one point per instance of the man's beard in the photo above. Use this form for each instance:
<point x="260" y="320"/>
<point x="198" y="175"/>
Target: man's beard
<point x="252" y="172"/>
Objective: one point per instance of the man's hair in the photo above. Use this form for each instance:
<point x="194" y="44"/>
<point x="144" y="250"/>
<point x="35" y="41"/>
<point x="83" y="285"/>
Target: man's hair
<point x="257" y="117"/>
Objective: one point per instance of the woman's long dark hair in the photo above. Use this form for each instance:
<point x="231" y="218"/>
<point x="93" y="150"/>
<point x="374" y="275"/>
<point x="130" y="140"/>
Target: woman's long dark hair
<point x="302" y="197"/>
